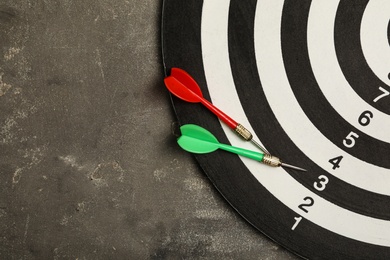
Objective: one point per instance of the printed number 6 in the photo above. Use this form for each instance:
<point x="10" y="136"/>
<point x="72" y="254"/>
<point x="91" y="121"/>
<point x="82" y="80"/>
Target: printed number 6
<point x="322" y="184"/>
<point x="350" y="141"/>
<point x="365" y="118"/>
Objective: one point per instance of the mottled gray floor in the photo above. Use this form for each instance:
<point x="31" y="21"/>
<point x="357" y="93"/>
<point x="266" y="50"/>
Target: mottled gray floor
<point x="88" y="166"/>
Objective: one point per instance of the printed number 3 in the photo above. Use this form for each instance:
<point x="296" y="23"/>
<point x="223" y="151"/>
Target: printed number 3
<point x="322" y="184"/>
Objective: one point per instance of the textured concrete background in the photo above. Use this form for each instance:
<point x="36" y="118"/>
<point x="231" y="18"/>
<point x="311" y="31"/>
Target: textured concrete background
<point x="88" y="166"/>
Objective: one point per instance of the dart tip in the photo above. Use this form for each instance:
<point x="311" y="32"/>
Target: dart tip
<point x="293" y="167"/>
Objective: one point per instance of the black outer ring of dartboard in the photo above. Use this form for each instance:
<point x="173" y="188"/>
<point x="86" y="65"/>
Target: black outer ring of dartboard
<point x="182" y="48"/>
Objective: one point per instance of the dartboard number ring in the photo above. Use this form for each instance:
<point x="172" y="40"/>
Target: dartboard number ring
<point x="309" y="201"/>
<point x="350" y="140"/>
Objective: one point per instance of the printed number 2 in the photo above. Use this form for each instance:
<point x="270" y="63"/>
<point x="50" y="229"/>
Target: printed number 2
<point x="303" y="207"/>
<point x="306" y="205"/>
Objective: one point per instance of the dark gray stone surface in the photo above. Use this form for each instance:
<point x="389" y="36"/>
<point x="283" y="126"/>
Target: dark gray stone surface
<point x="88" y="166"/>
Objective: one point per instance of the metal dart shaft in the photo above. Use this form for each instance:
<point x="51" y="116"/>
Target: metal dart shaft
<point x="276" y="162"/>
<point x="259" y="146"/>
<point x="246" y="135"/>
<point x="269" y="159"/>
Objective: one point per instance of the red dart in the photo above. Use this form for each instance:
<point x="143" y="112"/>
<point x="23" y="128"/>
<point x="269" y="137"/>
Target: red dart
<point x="183" y="86"/>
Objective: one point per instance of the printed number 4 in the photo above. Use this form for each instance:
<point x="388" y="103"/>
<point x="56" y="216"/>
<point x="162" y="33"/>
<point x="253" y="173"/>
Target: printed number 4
<point x="336" y="162"/>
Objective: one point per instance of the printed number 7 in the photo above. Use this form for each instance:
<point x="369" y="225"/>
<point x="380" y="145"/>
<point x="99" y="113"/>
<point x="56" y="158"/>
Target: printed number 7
<point x="385" y="93"/>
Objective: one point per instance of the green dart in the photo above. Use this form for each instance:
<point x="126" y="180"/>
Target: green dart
<point x="196" y="139"/>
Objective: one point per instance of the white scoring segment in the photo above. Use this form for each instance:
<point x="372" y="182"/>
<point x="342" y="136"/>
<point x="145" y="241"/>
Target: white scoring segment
<point x="374" y="38"/>
<point x="219" y="79"/>
<point x="331" y="79"/>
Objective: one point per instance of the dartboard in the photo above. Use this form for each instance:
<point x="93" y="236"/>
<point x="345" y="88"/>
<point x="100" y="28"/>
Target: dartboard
<point x="311" y="81"/>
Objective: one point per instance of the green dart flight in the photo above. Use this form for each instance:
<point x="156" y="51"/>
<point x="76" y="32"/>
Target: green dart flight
<point x="196" y="139"/>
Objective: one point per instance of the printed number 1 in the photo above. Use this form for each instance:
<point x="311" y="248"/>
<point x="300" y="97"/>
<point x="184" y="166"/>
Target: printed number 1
<point x="297" y="220"/>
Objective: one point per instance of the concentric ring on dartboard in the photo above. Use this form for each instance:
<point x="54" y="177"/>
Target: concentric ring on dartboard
<point x="349" y="27"/>
<point x="275" y="204"/>
<point x="353" y="171"/>
<point x="317" y="108"/>
<point x="374" y="38"/>
<point x="217" y="69"/>
<point x="313" y="102"/>
<point x="330" y="78"/>
<point x="244" y="72"/>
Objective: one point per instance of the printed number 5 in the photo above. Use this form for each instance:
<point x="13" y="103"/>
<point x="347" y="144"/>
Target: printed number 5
<point x="350" y="140"/>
